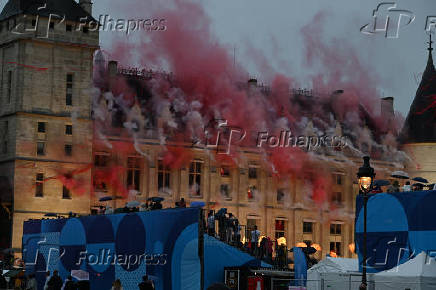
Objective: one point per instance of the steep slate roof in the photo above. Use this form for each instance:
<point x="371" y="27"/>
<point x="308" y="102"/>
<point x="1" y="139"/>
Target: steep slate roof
<point x="70" y="8"/>
<point x="420" y="124"/>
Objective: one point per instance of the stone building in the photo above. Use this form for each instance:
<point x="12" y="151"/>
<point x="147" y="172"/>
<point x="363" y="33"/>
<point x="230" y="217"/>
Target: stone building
<point x="50" y="157"/>
<point x="45" y="110"/>
<point x="419" y="132"/>
<point x="279" y="207"/>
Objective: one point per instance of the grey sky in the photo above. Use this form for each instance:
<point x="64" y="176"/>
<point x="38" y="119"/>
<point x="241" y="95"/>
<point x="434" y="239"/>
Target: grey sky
<point x="273" y="27"/>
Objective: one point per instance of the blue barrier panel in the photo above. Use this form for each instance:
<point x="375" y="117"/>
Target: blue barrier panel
<point x="399" y="225"/>
<point x="119" y="246"/>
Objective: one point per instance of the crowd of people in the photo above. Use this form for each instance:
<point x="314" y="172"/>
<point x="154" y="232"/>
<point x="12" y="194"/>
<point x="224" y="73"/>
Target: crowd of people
<point x="261" y="247"/>
<point x="394" y="186"/>
<point x="54" y="282"/>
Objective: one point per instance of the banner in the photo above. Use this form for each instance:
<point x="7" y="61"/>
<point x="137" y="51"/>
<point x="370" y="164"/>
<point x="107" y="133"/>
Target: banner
<point x="103" y="248"/>
<point x="399" y="227"/>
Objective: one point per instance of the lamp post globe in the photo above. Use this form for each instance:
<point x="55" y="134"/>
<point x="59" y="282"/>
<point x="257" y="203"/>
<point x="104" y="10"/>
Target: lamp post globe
<point x="366" y="176"/>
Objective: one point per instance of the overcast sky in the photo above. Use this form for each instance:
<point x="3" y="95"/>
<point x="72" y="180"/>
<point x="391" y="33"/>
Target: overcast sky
<point x="273" y="27"/>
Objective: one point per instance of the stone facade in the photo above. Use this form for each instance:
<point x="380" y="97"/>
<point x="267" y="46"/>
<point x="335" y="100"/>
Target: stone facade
<point x="267" y="209"/>
<point x="34" y="74"/>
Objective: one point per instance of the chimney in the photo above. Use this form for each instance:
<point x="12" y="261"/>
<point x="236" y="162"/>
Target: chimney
<point x="387" y="107"/>
<point x="387" y="110"/>
<point x="112" y="68"/>
<point x="86" y="5"/>
<point x="252" y="85"/>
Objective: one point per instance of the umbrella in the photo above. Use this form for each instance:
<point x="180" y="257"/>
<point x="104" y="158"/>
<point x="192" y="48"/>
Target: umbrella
<point x="400" y="174"/>
<point x="106" y="198"/>
<point x="381" y="182"/>
<point x="197" y="204"/>
<point x="134" y="203"/>
<point x="222" y="211"/>
<point x="156" y="199"/>
<point x="420" y="179"/>
<point x="51" y="214"/>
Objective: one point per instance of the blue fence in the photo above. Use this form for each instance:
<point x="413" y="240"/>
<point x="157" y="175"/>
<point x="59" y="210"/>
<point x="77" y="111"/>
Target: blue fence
<point x="399" y="225"/>
<point x="162" y="244"/>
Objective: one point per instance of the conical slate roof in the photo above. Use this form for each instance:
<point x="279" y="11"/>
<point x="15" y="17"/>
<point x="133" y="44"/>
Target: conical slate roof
<point x="68" y="8"/>
<point x="420" y="124"/>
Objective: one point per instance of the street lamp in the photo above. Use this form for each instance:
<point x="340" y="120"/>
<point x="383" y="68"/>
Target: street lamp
<point x="366" y="176"/>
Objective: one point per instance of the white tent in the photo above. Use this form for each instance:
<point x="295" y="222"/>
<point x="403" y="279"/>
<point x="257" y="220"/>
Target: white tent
<point x="418" y="273"/>
<point x="319" y="274"/>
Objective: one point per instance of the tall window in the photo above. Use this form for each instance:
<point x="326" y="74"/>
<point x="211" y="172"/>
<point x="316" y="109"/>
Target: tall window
<point x="251" y="192"/>
<point x="307" y="227"/>
<point x="280" y="229"/>
<point x="225" y="171"/>
<point x="69" y="92"/>
<point x="195" y="177"/>
<point x="5" y="137"/>
<point x="68" y="129"/>
<point x="133" y="173"/>
<point x="163" y="177"/>
<point x="41" y="127"/>
<point x="66" y="194"/>
<point x="40" y="148"/>
<point x="337" y="198"/>
<point x="335" y="229"/>
<point x="225" y="191"/>
<point x="280" y="195"/>
<point x="336" y="247"/>
<point x="252" y="172"/>
<point x="337" y="178"/>
<point x="9" y="87"/>
<point x="101" y="159"/>
<point x="39" y="185"/>
<point x="68" y="149"/>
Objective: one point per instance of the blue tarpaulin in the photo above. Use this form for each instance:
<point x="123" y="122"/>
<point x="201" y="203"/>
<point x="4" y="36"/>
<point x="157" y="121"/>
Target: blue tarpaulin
<point x="399" y="226"/>
<point x="162" y="244"/>
<point x="118" y="246"/>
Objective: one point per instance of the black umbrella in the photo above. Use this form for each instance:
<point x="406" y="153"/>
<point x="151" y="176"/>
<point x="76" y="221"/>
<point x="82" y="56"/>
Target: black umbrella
<point x="222" y="211"/>
<point x="106" y="198"/>
<point x="157" y="199"/>
<point x="400" y="175"/>
<point x="381" y="182"/>
<point x="420" y="179"/>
